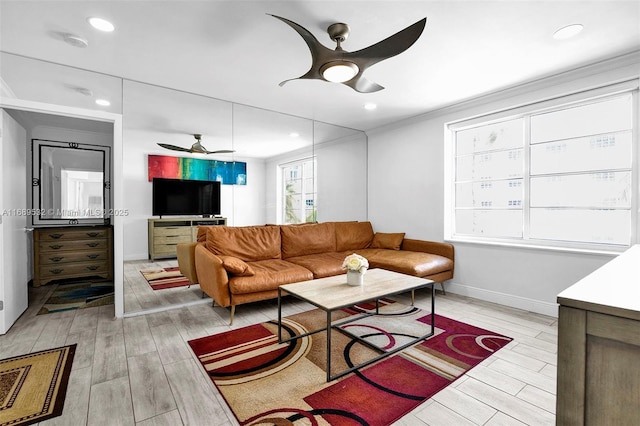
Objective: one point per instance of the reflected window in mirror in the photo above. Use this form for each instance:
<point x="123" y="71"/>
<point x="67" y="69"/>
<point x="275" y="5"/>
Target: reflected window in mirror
<point x="70" y="183"/>
<point x="299" y="191"/>
<point x="82" y="193"/>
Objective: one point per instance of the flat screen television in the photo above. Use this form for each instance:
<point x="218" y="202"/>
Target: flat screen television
<point x="178" y="197"/>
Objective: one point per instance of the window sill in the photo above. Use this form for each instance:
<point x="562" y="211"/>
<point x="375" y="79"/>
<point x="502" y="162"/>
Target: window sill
<point x="609" y="251"/>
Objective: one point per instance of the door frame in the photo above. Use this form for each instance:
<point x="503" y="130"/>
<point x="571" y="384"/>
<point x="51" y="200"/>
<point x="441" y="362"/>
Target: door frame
<point x="117" y="183"/>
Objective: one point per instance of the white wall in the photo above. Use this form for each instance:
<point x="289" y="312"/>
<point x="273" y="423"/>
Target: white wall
<point x="342" y="186"/>
<point x="406" y="194"/>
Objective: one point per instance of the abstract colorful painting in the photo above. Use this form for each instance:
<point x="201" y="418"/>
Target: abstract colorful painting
<point x="226" y="172"/>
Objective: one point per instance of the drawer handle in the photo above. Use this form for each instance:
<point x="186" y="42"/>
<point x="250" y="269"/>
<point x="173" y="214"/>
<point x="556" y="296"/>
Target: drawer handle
<point x="56" y="246"/>
<point x="92" y="268"/>
<point x="93" y="234"/>
<point x="56" y="271"/>
<point x="93" y="244"/>
<point x="92" y="256"/>
<point x="56" y="259"/>
<point x="56" y="236"/>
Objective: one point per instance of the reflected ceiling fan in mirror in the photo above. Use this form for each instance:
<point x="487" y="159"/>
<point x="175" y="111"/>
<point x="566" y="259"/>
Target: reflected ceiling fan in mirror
<point x="196" y="148"/>
<point x="340" y="66"/>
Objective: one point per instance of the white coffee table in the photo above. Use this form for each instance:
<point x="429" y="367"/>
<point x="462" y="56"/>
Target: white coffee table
<point x="333" y="293"/>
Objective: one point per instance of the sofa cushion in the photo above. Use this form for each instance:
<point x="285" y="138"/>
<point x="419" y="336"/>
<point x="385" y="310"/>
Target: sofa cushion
<point x="307" y="239"/>
<point x="387" y="241"/>
<point x="248" y="243"/>
<point x="268" y="275"/>
<point x="414" y="263"/>
<point x="353" y="235"/>
<point x="236" y="266"/>
<point x="321" y="264"/>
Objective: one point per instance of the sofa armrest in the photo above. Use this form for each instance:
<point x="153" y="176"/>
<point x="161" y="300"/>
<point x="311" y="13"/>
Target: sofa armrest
<point x="441" y="249"/>
<point x="213" y="278"/>
<point x="187" y="261"/>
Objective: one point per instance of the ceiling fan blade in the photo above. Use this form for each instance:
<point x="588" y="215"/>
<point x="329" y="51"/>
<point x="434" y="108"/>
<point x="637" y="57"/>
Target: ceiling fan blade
<point x="319" y="53"/>
<point x="174" y="148"/>
<point x="387" y="48"/>
<point x="362" y="85"/>
<point x="220" y="151"/>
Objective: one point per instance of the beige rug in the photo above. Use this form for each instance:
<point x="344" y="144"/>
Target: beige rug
<point x="33" y="386"/>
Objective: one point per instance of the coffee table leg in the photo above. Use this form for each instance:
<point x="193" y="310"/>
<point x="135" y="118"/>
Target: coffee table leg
<point x="328" y="346"/>
<point x="279" y="316"/>
<point x="433" y="308"/>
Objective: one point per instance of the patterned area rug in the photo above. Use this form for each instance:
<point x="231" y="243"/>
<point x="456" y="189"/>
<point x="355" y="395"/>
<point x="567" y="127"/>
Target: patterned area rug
<point x="79" y="295"/>
<point x="263" y="381"/>
<point x="161" y="278"/>
<point x="33" y="386"/>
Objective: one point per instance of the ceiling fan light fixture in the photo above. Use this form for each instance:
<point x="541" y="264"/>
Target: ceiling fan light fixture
<point x="339" y="71"/>
<point x="101" y="24"/>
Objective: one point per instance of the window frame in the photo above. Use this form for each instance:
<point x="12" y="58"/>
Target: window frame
<point x="526" y="111"/>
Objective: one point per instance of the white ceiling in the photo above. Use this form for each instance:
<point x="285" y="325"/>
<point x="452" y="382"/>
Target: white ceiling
<point x="232" y="50"/>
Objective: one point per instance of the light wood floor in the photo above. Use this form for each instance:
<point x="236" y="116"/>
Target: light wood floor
<point x="140" y="370"/>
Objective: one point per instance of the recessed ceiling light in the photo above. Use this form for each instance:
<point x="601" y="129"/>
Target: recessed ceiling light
<point x="103" y="102"/>
<point x="74" y="40"/>
<point x="370" y="106"/>
<point x="101" y="24"/>
<point x="294" y="134"/>
<point x="568" y="31"/>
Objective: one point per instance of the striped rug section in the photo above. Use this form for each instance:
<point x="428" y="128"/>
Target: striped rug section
<point x="161" y="278"/>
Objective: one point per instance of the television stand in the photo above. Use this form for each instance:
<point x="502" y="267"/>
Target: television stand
<point x="166" y="233"/>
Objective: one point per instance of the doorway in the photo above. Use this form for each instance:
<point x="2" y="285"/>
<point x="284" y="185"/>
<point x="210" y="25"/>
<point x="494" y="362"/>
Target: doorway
<point x="48" y="115"/>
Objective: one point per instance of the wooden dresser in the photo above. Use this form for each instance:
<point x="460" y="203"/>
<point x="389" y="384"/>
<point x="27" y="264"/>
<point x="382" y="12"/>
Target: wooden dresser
<point x="166" y="234"/>
<point x="599" y="346"/>
<point x="72" y="252"/>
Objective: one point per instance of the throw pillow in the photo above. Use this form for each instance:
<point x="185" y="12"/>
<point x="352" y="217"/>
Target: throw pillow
<point x="236" y="266"/>
<point x="391" y="241"/>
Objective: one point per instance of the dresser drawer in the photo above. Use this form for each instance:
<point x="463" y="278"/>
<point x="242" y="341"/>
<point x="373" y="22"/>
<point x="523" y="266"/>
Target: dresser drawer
<point x="172" y="231"/>
<point x="71" y="234"/>
<point x="57" y="257"/>
<point x="73" y="269"/>
<point x="63" y="245"/>
<point x="171" y="239"/>
<point x="165" y="249"/>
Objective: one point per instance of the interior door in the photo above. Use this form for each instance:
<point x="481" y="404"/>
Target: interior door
<point x="13" y="222"/>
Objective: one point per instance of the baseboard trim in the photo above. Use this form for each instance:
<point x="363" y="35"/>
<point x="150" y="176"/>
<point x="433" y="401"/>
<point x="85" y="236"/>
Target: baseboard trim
<point x="531" y="305"/>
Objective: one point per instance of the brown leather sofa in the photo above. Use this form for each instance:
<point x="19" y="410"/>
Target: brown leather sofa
<point x="236" y="265"/>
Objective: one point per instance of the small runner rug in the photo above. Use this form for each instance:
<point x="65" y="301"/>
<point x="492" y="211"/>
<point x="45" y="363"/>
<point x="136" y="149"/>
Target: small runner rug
<point x="33" y="386"/>
<point x="161" y="278"/>
<point x="79" y="295"/>
<point x="266" y="382"/>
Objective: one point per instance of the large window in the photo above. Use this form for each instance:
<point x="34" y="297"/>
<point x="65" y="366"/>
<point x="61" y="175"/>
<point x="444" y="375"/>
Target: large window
<point x="299" y="192"/>
<point x="559" y="176"/>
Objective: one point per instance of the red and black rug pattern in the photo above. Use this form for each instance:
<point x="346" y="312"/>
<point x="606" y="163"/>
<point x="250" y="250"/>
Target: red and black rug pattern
<point x="264" y="381"/>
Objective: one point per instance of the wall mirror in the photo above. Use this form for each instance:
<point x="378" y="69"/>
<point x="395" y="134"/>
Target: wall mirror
<point x="71" y="183"/>
<point x="268" y="142"/>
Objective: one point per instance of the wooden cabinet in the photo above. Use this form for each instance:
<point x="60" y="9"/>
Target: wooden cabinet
<point x="599" y="346"/>
<point x="165" y="234"/>
<point x="72" y="252"/>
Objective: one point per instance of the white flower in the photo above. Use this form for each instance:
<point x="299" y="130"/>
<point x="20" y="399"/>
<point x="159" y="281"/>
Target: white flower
<point x="355" y="262"/>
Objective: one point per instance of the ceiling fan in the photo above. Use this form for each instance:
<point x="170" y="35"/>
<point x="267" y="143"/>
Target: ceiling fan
<point x="196" y="148"/>
<point x="340" y="66"/>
